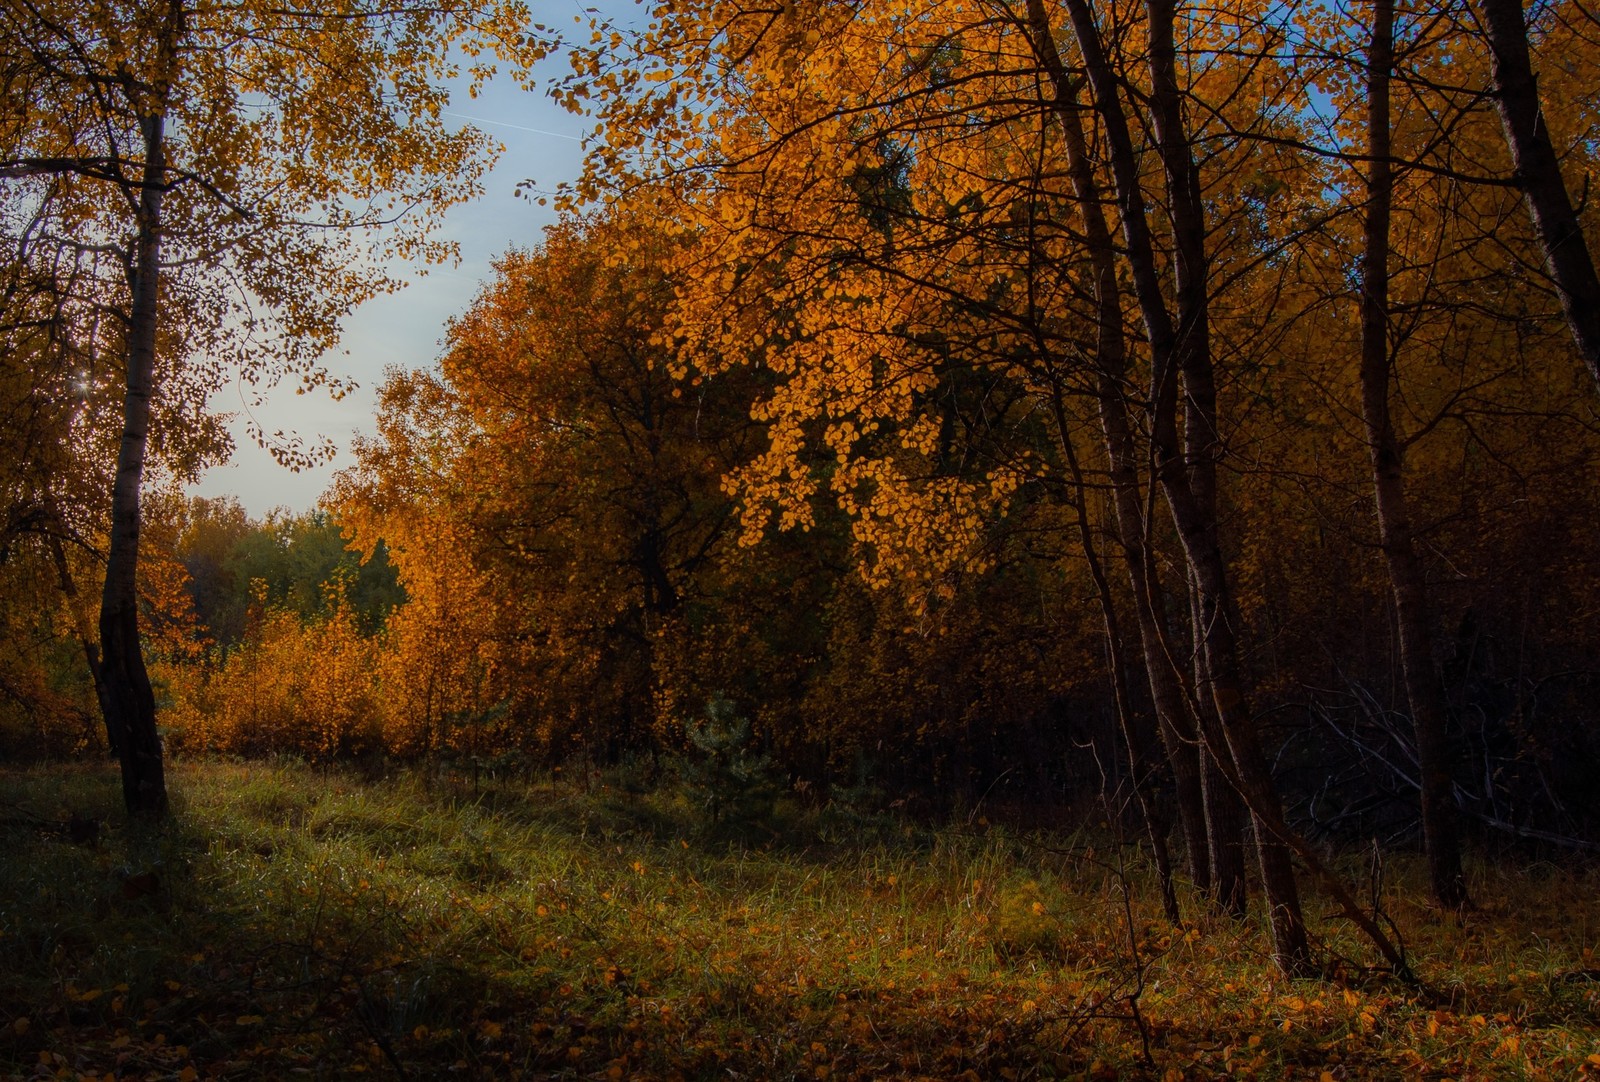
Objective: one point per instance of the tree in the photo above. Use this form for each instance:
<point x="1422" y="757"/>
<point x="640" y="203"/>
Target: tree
<point x="1208" y="809"/>
<point x="217" y="167"/>
<point x="1424" y="685"/>
<point x="224" y="552"/>
<point x="958" y="275"/>
<point x="1539" y="173"/>
<point x="904" y="203"/>
<point x="558" y="462"/>
<point x="1183" y="460"/>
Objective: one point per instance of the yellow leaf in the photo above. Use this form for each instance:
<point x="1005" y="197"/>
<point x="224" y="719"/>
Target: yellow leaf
<point x="249" y="1020"/>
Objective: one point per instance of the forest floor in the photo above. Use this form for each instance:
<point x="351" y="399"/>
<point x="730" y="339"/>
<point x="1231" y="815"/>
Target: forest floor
<point x="290" y="922"/>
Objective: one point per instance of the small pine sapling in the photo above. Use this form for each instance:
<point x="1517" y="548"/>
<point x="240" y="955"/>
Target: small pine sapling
<point x="724" y="772"/>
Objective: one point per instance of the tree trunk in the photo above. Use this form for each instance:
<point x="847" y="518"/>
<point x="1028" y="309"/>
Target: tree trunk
<point x="1196" y="521"/>
<point x="1201" y="446"/>
<point x="1174" y="722"/>
<point x="1143" y="767"/>
<point x="1555" y="222"/>
<point x="1241" y="747"/>
<point x="1424" y="686"/>
<point x="1179" y="730"/>
<point x="129" y="701"/>
<point x="1225" y="815"/>
<point x="80" y="620"/>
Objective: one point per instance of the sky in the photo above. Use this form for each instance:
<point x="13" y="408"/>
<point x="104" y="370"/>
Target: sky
<point x="542" y="143"/>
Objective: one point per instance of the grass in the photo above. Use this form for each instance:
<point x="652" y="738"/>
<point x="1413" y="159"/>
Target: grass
<point x="292" y="923"/>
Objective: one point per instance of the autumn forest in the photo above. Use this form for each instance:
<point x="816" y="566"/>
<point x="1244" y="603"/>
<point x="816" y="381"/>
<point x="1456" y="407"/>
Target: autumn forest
<point x="1061" y="531"/>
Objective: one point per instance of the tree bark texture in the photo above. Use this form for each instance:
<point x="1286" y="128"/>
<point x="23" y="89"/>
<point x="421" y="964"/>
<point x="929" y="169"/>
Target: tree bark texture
<point x="1201" y="445"/>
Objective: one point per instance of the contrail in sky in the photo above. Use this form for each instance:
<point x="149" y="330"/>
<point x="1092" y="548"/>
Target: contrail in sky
<point x="506" y="124"/>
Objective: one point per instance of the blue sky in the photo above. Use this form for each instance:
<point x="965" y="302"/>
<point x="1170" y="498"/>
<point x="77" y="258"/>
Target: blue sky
<point x="542" y="142"/>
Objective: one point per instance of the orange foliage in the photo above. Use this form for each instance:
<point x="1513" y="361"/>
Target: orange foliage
<point x="291" y="686"/>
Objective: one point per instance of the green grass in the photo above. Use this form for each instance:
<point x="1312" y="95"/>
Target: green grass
<point x="303" y="923"/>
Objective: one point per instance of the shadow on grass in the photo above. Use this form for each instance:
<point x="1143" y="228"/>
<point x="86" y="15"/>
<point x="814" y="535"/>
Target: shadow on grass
<point x="294" y="922"/>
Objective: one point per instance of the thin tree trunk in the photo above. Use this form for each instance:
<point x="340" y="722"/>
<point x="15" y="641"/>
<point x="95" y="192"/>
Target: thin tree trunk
<point x="1555" y="222"/>
<point x="1424" y="686"/>
<point x="1196" y="522"/>
<point x="1142" y="765"/>
<point x="129" y="700"/>
<point x="84" y="629"/>
<point x="1177" y="729"/>
<point x="1226" y="818"/>
<point x="1540" y="175"/>
<point x="1201" y="445"/>
<point x="1242" y="749"/>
